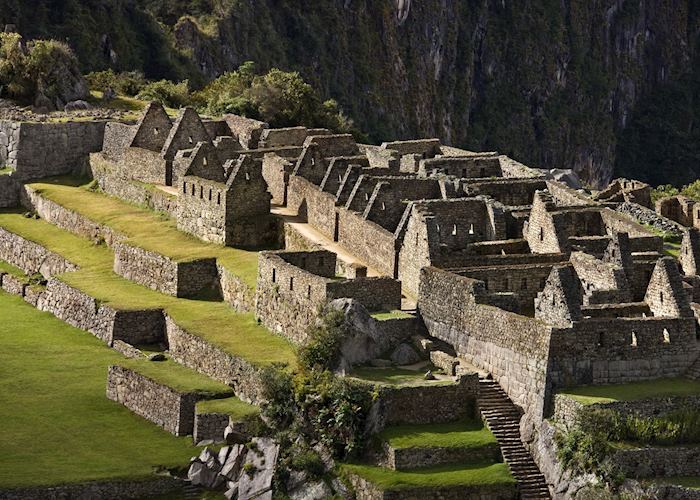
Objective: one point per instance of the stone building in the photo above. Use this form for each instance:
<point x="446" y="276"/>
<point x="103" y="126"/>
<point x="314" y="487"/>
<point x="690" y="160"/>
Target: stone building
<point x="681" y="209"/>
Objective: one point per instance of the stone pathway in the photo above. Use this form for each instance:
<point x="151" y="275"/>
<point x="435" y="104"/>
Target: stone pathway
<point x="503" y="419"/>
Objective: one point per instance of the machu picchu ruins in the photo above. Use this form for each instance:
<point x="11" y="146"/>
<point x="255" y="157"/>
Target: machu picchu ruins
<point x="476" y="312"/>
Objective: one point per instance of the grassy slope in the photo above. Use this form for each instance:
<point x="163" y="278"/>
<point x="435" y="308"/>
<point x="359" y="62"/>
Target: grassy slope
<point x="236" y="333"/>
<point x="147" y="229"/>
<point x="230" y="406"/>
<point x="634" y="391"/>
<point x="177" y="376"/>
<point x="467" y="434"/>
<point x="445" y="475"/>
<point x="57" y="424"/>
<point x="395" y="376"/>
<point x="384" y="316"/>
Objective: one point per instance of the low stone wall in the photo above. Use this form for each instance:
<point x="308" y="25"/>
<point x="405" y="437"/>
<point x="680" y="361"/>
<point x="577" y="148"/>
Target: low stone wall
<point x="9" y="191"/>
<point x="364" y="490"/>
<point x="205" y="358"/>
<point x="12" y="284"/>
<point x="645" y="215"/>
<point x="234" y="291"/>
<point x="566" y="409"/>
<point x="82" y="311"/>
<point x="106" y="174"/>
<point x="415" y="458"/>
<point x="69" y="220"/>
<point x="31" y="257"/>
<point x="104" y="490"/>
<point x="158" y="272"/>
<point x="376" y="294"/>
<point x="658" y="462"/>
<point x="209" y="426"/>
<point x="426" y="403"/>
<point x="162" y="405"/>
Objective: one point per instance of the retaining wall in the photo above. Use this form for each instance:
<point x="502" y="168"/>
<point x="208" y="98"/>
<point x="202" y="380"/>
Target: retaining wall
<point x="364" y="490"/>
<point x="31" y="257"/>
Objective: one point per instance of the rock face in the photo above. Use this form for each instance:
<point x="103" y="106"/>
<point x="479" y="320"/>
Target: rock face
<point x="553" y="84"/>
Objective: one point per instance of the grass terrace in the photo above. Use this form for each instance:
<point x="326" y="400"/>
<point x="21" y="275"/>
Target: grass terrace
<point x="384" y="316"/>
<point x="481" y="474"/>
<point x="659" y="388"/>
<point x="145" y="228"/>
<point x="234" y="407"/>
<point x="465" y="434"/>
<point x="692" y="482"/>
<point x="397" y="376"/>
<point x="235" y="333"/>
<point x="6" y="170"/>
<point x="177" y="377"/>
<point x="58" y="426"/>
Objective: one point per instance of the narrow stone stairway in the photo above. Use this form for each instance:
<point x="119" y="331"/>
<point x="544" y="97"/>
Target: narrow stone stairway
<point x="503" y="419"/>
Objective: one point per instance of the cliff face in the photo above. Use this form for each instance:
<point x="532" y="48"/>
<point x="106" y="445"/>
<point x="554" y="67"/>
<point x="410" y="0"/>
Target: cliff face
<point x="553" y="83"/>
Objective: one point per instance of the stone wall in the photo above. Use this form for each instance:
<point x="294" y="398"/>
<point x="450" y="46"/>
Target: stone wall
<point x="37" y="150"/>
<point x="247" y="130"/>
<point x="104" y="490"/>
<point x="68" y="220"/>
<point x="209" y="426"/>
<point x="162" y="405"/>
<point x="9" y="191"/>
<point x="234" y="291"/>
<point x="208" y="359"/>
<point x="513" y="348"/>
<point x="313" y="205"/>
<point x="276" y="171"/>
<point x="658" y="462"/>
<point x="427" y="403"/>
<point x="31" y="257"/>
<point x="415" y="458"/>
<point x="370" y="242"/>
<point x="158" y="272"/>
<point x="108" y="324"/>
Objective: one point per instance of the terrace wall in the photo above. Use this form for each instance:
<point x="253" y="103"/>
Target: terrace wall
<point x="31" y="257"/>
<point x="162" y="405"/>
<point x="9" y="191"/>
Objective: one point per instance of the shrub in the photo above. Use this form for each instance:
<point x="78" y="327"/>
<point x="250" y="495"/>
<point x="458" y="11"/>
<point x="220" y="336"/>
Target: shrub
<point x="126" y="83"/>
<point x="174" y="95"/>
<point x="663" y="191"/>
<point x="322" y="349"/>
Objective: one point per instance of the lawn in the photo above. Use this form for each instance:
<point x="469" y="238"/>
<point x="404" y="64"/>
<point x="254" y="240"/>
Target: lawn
<point x="396" y="376"/>
<point x="383" y="316"/>
<point x="147" y="229"/>
<point x="58" y="426"/>
<point x="236" y="333"/>
<point x="465" y="434"/>
<point x="484" y="474"/>
<point x="177" y="377"/>
<point x="665" y="387"/>
<point x="233" y="407"/>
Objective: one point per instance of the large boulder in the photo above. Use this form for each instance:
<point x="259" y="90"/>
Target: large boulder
<point x="258" y="470"/>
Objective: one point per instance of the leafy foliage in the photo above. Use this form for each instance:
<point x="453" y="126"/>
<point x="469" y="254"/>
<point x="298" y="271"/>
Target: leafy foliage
<point x="42" y="68"/>
<point x="125" y="83"/>
<point x="323" y="346"/>
<point x="282" y="99"/>
<point x="174" y="95"/>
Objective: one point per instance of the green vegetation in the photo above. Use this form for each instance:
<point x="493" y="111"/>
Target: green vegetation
<point x="235" y="333"/>
<point x="691" y="190"/>
<point x="147" y="229"/>
<point x="394" y="376"/>
<point x="229" y="406"/>
<point x="128" y="83"/>
<point x="692" y="482"/>
<point x="6" y="170"/>
<point x="46" y="73"/>
<point x="60" y="421"/>
<point x="384" y="316"/>
<point x="466" y="434"/>
<point x="665" y="387"/>
<point x="446" y="475"/>
<point x="322" y="349"/>
<point x="6" y="267"/>
<point x="174" y="95"/>
<point x="177" y="377"/>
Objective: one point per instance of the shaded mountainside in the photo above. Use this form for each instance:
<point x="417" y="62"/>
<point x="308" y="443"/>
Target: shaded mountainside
<point x="596" y="85"/>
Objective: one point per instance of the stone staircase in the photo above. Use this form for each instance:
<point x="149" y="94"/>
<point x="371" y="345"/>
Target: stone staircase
<point x="503" y="419"/>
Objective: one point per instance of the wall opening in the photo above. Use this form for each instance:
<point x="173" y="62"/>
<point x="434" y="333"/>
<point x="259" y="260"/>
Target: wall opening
<point x="667" y="337"/>
<point x="308" y="292"/>
<point x="291" y="283"/>
<point x="184" y="188"/>
<point x="634" y="339"/>
<point x="274" y="275"/>
<point x="601" y="339"/>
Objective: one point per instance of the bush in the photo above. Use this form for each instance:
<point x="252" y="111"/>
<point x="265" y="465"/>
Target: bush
<point x="126" y="83"/>
<point x="322" y="349"/>
<point x="663" y="191"/>
<point x="45" y="72"/>
<point x="174" y="95"/>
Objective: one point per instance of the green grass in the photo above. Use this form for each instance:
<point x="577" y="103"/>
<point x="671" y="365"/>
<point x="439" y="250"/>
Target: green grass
<point x="147" y="229"/>
<point x="395" y="376"/>
<point x="233" y="332"/>
<point x="177" y="377"/>
<point x="233" y="407"/>
<point x="483" y="474"/>
<point x="384" y="316"/>
<point x="6" y="267"/>
<point x="666" y="387"/>
<point x="6" y="170"/>
<point x="692" y="482"/>
<point x="58" y="426"/>
<point x="466" y="434"/>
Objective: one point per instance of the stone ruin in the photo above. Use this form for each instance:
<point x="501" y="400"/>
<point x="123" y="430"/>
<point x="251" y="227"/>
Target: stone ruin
<point x="539" y="285"/>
